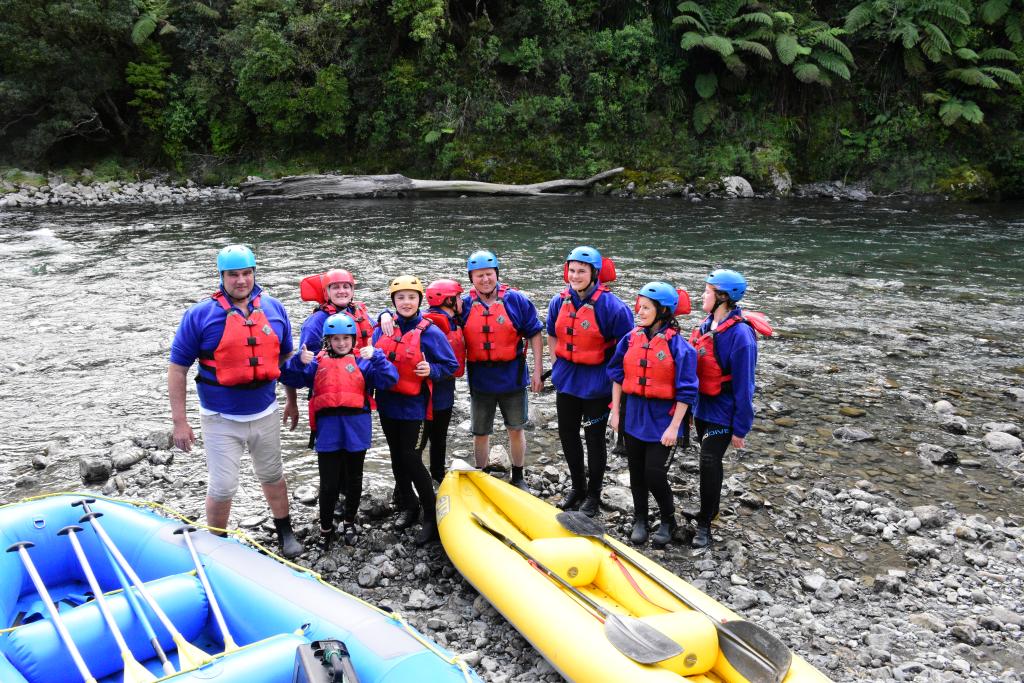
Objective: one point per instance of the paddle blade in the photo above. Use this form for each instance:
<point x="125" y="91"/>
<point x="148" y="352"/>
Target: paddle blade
<point x="135" y="672"/>
<point x="754" y="652"/>
<point x="579" y="524"/>
<point x="189" y="656"/>
<point x="638" y="640"/>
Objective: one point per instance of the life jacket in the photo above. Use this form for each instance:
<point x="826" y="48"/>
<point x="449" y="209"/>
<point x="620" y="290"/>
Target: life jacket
<point x="650" y="369"/>
<point x="490" y="334"/>
<point x="360" y="314"/>
<point x="453" y="332"/>
<point x="404" y="351"/>
<point x="248" y="351"/>
<point x="711" y="378"/>
<point x="339" y="387"/>
<point x="579" y="338"/>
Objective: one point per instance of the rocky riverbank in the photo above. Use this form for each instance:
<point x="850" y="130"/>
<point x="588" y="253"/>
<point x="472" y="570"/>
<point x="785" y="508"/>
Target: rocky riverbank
<point x="27" y="190"/>
<point x="844" y="561"/>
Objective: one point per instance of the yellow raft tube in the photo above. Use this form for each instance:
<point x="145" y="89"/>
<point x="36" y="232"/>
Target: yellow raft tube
<point x="567" y="631"/>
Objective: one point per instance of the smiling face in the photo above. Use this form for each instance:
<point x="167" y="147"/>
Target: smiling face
<point x="646" y="312"/>
<point x="341" y="343"/>
<point x="580" y="276"/>
<point x="407" y="302"/>
<point x="239" y="283"/>
<point x="340" y="293"/>
<point x="484" y="280"/>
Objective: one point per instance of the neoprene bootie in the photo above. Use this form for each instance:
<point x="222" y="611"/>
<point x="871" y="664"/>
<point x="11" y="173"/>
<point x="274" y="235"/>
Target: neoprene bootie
<point x="406" y="518"/>
<point x="572" y="499"/>
<point x="702" y="539"/>
<point x="662" y="536"/>
<point x="326" y="539"/>
<point x="427" y="532"/>
<point x="518" y="480"/>
<point x="640" y="534"/>
<point x="286" y="541"/>
<point x="591" y="505"/>
<point x="350" y="533"/>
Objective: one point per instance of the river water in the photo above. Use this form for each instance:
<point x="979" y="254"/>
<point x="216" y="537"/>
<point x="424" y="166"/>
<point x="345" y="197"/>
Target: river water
<point x="870" y="300"/>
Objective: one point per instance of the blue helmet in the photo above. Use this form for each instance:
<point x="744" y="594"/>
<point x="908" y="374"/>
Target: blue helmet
<point x="481" y="259"/>
<point x="728" y="281"/>
<point x="661" y="293"/>
<point x="339" y="323"/>
<point x="235" y="257"/>
<point x="588" y="255"/>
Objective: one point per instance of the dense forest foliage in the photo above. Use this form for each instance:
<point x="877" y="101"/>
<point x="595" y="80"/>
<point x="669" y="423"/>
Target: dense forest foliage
<point x="908" y="94"/>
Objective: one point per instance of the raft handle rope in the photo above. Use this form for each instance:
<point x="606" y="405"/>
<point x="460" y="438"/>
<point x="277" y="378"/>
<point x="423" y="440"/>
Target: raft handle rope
<point x="454" y="659"/>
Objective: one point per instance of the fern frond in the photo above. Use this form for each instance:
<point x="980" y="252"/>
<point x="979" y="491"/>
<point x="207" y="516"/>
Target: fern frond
<point x="143" y="28"/>
<point x="784" y="17"/>
<point x="786" y="47"/>
<point x="691" y="40"/>
<point x="752" y="18"/>
<point x="837" y="46"/>
<point x="1002" y="74"/>
<point x="706" y="85"/>
<point x="736" y="65"/>
<point x="913" y="63"/>
<point x="168" y="28"/>
<point x="859" y="17"/>
<point x="704" y="114"/>
<point x="907" y="33"/>
<point x="807" y="73"/>
<point x="972" y="76"/>
<point x="935" y="43"/>
<point x="754" y="48"/>
<point x="832" y="62"/>
<point x="967" y="53"/>
<point x="1014" y="28"/>
<point x="993" y="10"/>
<point x="998" y="54"/>
<point x="688" y="20"/>
<point x="205" y="10"/>
<point x="719" y="44"/>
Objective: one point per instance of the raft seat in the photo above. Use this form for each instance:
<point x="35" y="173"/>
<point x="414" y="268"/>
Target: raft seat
<point x="38" y="653"/>
<point x="575" y="559"/>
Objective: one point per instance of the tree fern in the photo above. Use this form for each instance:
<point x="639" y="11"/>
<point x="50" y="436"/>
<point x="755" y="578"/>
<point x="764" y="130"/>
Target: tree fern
<point x="860" y="16"/>
<point x="706" y="85"/>
<point x="704" y="113"/>
<point x="935" y="44"/>
<point x="955" y="109"/>
<point x="993" y="10"/>
<point x="972" y="76"/>
<point x="786" y="47"/>
<point x="1002" y="74"/>
<point x="998" y="54"/>
<point x="807" y="73"/>
<point x="753" y="47"/>
<point x="832" y="62"/>
<point x="143" y="28"/>
<point x="966" y="53"/>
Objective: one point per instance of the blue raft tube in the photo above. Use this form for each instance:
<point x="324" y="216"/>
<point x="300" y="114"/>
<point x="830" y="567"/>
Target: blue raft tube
<point x="283" y="623"/>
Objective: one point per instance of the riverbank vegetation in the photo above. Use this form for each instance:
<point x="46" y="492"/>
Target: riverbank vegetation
<point x="910" y="95"/>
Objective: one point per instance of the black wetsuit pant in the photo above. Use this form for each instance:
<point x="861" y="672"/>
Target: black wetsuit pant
<point x="407" y="465"/>
<point x="648" y="473"/>
<point x="572" y="412"/>
<point x="436" y="431"/>
<point x="714" y="440"/>
<point x="340" y="471"/>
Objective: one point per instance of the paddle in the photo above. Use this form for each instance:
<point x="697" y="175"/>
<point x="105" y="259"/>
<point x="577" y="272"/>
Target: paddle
<point x="229" y="642"/>
<point x="140" y="614"/>
<point x="754" y="652"/>
<point x="133" y="671"/>
<point x="636" y="639"/>
<point x="189" y="656"/>
<point x="21" y="549"/>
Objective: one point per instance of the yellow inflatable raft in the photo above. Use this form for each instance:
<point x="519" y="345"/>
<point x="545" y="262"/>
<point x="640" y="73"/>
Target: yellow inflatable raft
<point x="595" y="608"/>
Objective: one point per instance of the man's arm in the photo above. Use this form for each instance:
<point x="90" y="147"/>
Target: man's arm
<point x="537" y="345"/>
<point x="176" y="382"/>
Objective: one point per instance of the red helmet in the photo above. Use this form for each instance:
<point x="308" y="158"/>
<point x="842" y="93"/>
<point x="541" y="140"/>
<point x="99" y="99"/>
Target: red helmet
<point x="337" y="275"/>
<point x="440" y="290"/>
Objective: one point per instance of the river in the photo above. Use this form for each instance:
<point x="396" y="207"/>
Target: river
<point x="870" y="300"/>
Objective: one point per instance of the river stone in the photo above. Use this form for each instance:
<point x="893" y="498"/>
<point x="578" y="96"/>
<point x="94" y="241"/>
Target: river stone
<point x="828" y="591"/>
<point x="1015" y="393"/>
<point x="617" y="498"/>
<point x="931" y="516"/>
<point x="40" y="461"/>
<point x="417" y="600"/>
<point x="306" y="494"/>
<point x="126" y="454"/>
<point x="742" y="598"/>
<point x="943" y="408"/>
<point x="850" y="411"/>
<point x="929" y="621"/>
<point x="921" y="548"/>
<point x="853" y="434"/>
<point x="161" y="457"/>
<point x="937" y="455"/>
<point x="914" y="399"/>
<point x="954" y="424"/>
<point x="1007" y="427"/>
<point x="737" y="186"/>
<point x="94" y="468"/>
<point x="550" y="473"/>
<point x="499" y="457"/>
<point x="1001" y="441"/>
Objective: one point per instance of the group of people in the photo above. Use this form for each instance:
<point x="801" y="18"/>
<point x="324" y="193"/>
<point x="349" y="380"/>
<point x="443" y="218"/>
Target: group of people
<point x="642" y="377"/>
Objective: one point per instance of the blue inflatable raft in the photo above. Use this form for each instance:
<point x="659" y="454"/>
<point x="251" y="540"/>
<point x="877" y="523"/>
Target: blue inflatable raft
<point x="259" y="621"/>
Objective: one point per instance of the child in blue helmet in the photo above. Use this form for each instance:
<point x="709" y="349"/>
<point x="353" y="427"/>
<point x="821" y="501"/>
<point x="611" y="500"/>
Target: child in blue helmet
<point x="339" y="415"/>
<point x="655" y="370"/>
<point x="585" y="322"/>
<point x="727" y="358"/>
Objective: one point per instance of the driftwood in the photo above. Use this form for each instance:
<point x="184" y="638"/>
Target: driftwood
<point x="395" y="185"/>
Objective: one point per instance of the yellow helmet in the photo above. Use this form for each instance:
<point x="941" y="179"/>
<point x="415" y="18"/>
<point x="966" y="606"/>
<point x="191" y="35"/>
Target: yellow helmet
<point x="406" y="282"/>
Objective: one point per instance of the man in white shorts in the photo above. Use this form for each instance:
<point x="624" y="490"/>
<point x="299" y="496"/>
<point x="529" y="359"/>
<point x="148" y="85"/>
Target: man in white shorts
<point x="241" y="337"/>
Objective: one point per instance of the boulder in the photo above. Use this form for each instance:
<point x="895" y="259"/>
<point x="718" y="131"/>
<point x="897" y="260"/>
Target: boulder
<point x="737" y="186"/>
<point x="1001" y="441"/>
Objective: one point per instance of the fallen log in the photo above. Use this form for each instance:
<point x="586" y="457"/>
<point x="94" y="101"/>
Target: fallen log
<point x="396" y="185"/>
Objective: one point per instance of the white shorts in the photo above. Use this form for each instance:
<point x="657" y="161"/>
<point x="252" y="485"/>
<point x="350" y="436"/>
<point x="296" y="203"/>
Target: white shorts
<point x="225" y="440"/>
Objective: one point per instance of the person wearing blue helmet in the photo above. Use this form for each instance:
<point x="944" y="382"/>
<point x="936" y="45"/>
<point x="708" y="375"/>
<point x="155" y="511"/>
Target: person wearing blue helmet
<point x="241" y="337"/>
<point x="655" y="371"/>
<point x="496" y="321"/>
<point x="724" y="414"/>
<point x="342" y="379"/>
<point x="585" y="322"/>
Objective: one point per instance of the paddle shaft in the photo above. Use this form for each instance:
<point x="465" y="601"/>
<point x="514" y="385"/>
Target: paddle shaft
<point x="58" y="623"/>
<point x="723" y="631"/>
<point x="229" y="642"/>
<point x="132" y="600"/>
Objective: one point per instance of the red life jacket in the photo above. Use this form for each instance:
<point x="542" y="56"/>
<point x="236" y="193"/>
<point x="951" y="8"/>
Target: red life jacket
<point x="248" y="351"/>
<point x="710" y="376"/>
<point x="453" y="332"/>
<point x="579" y="339"/>
<point x="360" y="314"/>
<point x="650" y="369"/>
<point x="404" y="351"/>
<point x="490" y="334"/>
<point x="338" y="387"/>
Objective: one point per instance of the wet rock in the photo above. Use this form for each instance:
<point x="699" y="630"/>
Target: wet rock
<point x="368" y="576"/>
<point x="914" y="399"/>
<point x="928" y="620"/>
<point x="617" y="498"/>
<point x="306" y="494"/>
<point x="94" y="468"/>
<point x="742" y="598"/>
<point x="943" y="408"/>
<point x="966" y="631"/>
<point x="954" y="424"/>
<point x="921" y="548"/>
<point x="853" y="434"/>
<point x="417" y="600"/>
<point x="499" y="457"/>
<point x="931" y="516"/>
<point x="1007" y="427"/>
<point x="159" y="439"/>
<point x="737" y="186"/>
<point x="1002" y="441"/>
<point x="850" y="411"/>
<point x="126" y="454"/>
<point x="1015" y="393"/>
<point x="908" y="671"/>
<point x="937" y="455"/>
<point x="161" y="457"/>
<point x="40" y="461"/>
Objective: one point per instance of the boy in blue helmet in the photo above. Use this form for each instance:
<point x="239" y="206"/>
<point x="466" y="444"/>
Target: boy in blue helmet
<point x="496" y="320"/>
<point x="241" y="338"/>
